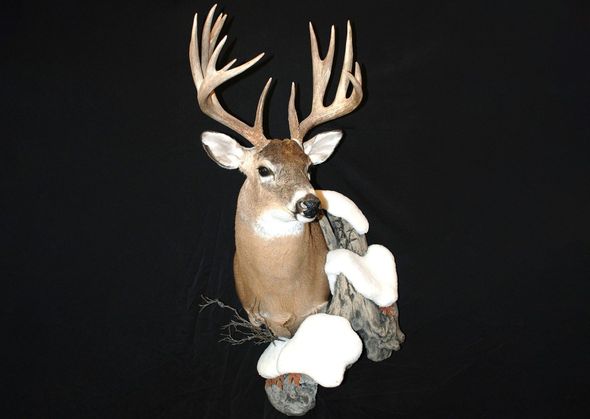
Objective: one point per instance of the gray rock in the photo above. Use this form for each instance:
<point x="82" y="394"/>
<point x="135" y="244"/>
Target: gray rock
<point x="290" y="397"/>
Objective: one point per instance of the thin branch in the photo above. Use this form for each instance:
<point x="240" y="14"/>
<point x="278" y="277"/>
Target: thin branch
<point x="240" y="330"/>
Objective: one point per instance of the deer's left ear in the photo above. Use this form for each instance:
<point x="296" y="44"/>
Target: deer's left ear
<point x="320" y="147"/>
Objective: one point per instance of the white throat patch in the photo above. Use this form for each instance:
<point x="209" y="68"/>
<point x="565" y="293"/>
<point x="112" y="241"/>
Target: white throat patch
<point x="276" y="223"/>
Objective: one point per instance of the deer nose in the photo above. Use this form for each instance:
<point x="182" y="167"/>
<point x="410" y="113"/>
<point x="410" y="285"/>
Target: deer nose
<point x="308" y="206"/>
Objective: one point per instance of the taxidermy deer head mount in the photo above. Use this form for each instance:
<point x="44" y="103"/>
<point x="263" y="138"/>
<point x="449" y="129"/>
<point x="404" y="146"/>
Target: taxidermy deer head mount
<point x="280" y="251"/>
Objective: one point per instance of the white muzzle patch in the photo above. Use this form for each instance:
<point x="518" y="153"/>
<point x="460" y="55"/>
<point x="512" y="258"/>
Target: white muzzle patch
<point x="277" y="223"/>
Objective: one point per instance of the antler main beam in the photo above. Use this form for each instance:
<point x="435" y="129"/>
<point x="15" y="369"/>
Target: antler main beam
<point x="322" y="69"/>
<point x="207" y="78"/>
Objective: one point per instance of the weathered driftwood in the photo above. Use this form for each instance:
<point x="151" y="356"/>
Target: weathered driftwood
<point x="378" y="327"/>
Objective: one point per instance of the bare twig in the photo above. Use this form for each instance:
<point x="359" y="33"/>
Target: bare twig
<point x="240" y="330"/>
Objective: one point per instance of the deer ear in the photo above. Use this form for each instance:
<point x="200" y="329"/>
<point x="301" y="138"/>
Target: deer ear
<point x="320" y="147"/>
<point x="223" y="150"/>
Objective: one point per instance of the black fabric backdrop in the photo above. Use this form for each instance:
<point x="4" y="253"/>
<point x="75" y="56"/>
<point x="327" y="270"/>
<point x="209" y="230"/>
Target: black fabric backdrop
<point x="468" y="156"/>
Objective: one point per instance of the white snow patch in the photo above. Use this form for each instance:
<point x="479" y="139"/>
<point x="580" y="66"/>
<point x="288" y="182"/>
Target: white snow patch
<point x="373" y="275"/>
<point x="323" y="347"/>
<point x="267" y="363"/>
<point x="341" y="206"/>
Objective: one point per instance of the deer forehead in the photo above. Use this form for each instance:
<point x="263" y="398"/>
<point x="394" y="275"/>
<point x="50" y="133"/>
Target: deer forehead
<point x="285" y="155"/>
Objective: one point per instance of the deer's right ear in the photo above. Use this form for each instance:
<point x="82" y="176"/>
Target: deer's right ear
<point x="223" y="150"/>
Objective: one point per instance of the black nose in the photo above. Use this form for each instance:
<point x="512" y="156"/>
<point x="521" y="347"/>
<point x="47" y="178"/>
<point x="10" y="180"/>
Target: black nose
<point x="308" y="206"/>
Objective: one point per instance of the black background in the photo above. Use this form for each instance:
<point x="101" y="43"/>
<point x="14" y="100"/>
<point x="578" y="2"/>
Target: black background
<point x="468" y="156"/>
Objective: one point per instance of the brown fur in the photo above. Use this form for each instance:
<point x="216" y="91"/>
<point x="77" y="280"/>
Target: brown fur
<point x="279" y="280"/>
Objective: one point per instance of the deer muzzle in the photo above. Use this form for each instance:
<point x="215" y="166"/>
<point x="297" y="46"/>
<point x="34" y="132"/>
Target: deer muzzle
<point x="308" y="206"/>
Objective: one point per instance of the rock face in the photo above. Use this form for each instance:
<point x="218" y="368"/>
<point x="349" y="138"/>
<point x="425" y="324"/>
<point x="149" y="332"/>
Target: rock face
<point x="292" y="397"/>
<point x="377" y="326"/>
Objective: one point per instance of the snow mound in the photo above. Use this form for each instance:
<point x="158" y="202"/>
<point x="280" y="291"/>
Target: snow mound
<point x="322" y="348"/>
<point x="372" y="275"/>
<point x="341" y="206"/>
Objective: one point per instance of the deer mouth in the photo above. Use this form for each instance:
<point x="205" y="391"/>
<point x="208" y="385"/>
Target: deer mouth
<point x="305" y="219"/>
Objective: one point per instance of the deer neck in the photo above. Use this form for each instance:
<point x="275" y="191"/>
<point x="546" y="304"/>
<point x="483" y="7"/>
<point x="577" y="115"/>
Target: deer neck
<point x="270" y="240"/>
<point x="278" y="269"/>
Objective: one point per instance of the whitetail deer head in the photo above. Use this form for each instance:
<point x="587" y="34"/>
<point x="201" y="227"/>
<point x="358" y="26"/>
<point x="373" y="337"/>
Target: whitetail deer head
<point x="278" y="269"/>
<point x="276" y="170"/>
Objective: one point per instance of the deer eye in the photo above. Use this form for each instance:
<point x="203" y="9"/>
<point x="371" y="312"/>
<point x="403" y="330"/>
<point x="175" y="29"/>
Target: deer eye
<point x="264" y="171"/>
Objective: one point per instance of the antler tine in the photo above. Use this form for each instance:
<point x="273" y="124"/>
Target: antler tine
<point x="260" y="108"/>
<point x="293" y="118"/>
<point x="205" y="41"/>
<point x="322" y="69"/>
<point x="217" y="28"/>
<point x="207" y="78"/>
<point x="342" y="104"/>
<point x="346" y="65"/>
<point x="193" y="55"/>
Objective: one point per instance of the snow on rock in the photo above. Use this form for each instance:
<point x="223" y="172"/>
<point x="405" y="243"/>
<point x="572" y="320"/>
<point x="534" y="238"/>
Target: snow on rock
<point x="372" y="275"/>
<point x="341" y="206"/>
<point x="267" y="363"/>
<point x="322" y="348"/>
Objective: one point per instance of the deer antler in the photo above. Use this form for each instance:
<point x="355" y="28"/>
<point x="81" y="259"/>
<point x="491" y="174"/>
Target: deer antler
<point x="342" y="104"/>
<point x="207" y="78"/>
